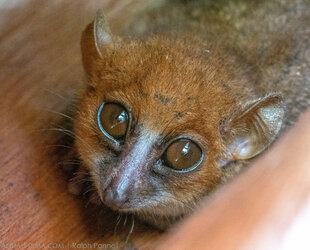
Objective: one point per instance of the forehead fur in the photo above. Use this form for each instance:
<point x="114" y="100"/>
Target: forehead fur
<point x="166" y="82"/>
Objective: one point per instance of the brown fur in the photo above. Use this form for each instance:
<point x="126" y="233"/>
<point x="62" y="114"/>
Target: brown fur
<point x="192" y="69"/>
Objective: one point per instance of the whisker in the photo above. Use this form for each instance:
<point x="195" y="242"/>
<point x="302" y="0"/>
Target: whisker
<point x="60" y="113"/>
<point x="131" y="229"/>
<point x="125" y="221"/>
<point x="89" y="190"/>
<point x="71" y="134"/>
<point x="71" y="161"/>
<point x="57" y="146"/>
<point x="118" y="220"/>
<point x="54" y="93"/>
<point x="66" y="163"/>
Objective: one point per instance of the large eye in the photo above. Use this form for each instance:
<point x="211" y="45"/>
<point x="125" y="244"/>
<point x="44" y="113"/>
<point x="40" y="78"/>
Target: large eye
<point x="113" y="120"/>
<point x="183" y="155"/>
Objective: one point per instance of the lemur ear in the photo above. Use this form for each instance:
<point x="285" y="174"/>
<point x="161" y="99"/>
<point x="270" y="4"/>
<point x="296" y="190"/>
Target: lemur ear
<point x="96" y="43"/>
<point x="102" y="34"/>
<point x="253" y="129"/>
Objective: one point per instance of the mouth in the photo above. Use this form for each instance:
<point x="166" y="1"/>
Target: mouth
<point x="122" y="209"/>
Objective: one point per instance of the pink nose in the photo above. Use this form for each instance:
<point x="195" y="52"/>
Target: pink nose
<point x="116" y="199"/>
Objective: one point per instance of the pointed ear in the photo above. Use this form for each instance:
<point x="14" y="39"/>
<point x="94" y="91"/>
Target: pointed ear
<point x="97" y="41"/>
<point x="102" y="34"/>
<point x="253" y="129"/>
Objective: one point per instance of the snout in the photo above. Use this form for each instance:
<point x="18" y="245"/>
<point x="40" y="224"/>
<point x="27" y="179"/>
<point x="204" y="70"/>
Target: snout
<point x="131" y="176"/>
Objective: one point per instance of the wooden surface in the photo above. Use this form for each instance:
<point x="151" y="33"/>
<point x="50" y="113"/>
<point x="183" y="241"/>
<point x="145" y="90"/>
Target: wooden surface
<point x="40" y="69"/>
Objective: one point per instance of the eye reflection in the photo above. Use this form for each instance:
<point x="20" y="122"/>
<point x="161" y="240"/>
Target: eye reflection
<point x="113" y="120"/>
<point x="182" y="155"/>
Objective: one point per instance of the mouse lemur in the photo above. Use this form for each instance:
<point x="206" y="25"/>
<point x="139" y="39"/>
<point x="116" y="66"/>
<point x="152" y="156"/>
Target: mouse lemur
<point x="190" y="93"/>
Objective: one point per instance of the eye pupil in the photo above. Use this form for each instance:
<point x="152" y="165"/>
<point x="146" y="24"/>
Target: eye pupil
<point x="113" y="120"/>
<point x="182" y="155"/>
